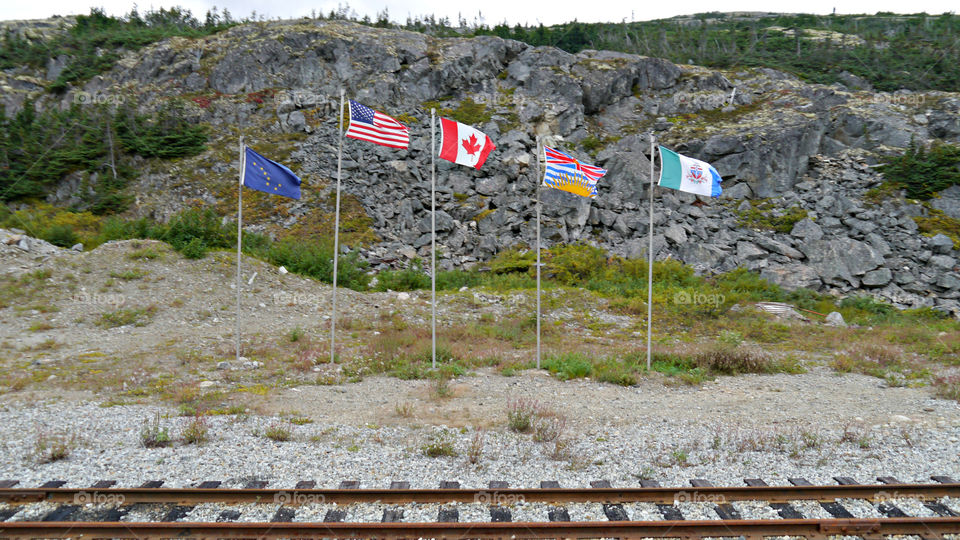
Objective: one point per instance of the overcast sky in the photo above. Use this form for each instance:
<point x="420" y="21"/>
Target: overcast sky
<point x="493" y="11"/>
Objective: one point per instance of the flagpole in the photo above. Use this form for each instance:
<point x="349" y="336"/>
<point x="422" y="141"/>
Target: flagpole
<point x="433" y="237"/>
<point x="239" y="237"/>
<point x="336" y="236"/>
<point x="650" y="264"/>
<point x="536" y="177"/>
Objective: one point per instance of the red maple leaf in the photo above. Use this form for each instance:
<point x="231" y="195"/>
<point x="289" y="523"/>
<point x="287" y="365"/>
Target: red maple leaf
<point x="470" y="144"/>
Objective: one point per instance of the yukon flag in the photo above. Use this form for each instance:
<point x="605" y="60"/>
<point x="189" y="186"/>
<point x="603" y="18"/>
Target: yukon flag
<point x="463" y="144"/>
<point x="687" y="174"/>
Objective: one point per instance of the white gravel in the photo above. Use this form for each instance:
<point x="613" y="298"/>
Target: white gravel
<point x="109" y="449"/>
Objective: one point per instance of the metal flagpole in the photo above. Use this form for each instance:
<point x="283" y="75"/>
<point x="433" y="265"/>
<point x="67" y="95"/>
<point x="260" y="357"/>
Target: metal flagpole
<point x="336" y="236"/>
<point x="538" y="180"/>
<point x="433" y="238"/>
<point x="239" y="236"/>
<point x="650" y="264"/>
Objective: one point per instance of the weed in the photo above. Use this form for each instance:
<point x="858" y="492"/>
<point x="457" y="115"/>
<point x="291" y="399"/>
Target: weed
<point x="277" y="432"/>
<point x="124" y="317"/>
<point x="440" y="445"/>
<point x="295" y="334"/>
<point x="475" y="450"/>
<point x="50" y="447"/>
<point x="154" y="436"/>
<point x="549" y="428"/>
<point x="521" y="413"/>
<point x="404" y="410"/>
<point x="196" y="431"/>
<point x="440" y="387"/>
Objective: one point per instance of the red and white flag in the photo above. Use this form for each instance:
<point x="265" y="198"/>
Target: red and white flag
<point x="367" y="124"/>
<point x="463" y="144"/>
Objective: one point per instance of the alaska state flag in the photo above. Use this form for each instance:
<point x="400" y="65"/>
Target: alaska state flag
<point x="265" y="175"/>
<point x="687" y="174"/>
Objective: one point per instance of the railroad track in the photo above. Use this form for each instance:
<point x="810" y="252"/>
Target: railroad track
<point x="255" y="511"/>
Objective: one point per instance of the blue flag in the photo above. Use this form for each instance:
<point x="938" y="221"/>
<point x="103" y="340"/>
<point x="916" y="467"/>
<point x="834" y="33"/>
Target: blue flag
<point x="265" y="175"/>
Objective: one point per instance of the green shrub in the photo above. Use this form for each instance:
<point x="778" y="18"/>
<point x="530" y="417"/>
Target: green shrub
<point x="568" y="366"/>
<point x="194" y="249"/>
<point x="61" y="235"/>
<point x="924" y="171"/>
<point x="409" y="279"/>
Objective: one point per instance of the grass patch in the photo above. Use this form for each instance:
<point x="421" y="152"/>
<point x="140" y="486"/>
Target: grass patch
<point x="124" y="317"/>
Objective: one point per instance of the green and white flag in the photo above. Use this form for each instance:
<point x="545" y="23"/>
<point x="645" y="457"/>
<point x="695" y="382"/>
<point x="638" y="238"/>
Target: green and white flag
<point x="687" y="174"/>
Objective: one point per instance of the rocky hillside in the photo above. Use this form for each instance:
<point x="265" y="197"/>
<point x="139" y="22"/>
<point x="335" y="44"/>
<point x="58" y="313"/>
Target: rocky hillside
<point x="797" y="159"/>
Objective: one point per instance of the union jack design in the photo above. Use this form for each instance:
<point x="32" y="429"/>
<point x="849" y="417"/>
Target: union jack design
<point x="566" y="173"/>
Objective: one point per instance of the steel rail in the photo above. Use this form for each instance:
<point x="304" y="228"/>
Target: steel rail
<point x="809" y="528"/>
<point x="661" y="495"/>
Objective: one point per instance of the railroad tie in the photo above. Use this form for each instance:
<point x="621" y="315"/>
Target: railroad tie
<point x="649" y="483"/>
<point x="228" y="516"/>
<point x="785" y="510"/>
<point x="500" y="514"/>
<point x="306" y="484"/>
<point x="152" y="484"/>
<point x="284" y="515"/>
<point x="498" y="484"/>
<point x="399" y="484"/>
<point x="724" y="510"/>
<point x="54" y="484"/>
<point x="177" y="513"/>
<point x="888" y="480"/>
<point x="600" y="484"/>
<point x="209" y="484"/>
<point x="448" y="515"/>
<point x="449" y="484"/>
<point x="103" y="484"/>
<point x="670" y="512"/>
<point x="255" y="484"/>
<point x="4" y="484"/>
<point x="834" y="508"/>
<point x="943" y="479"/>
<point x="940" y="509"/>
<point x="549" y="484"/>
<point x="349" y="484"/>
<point x="846" y="480"/>
<point x="109" y="515"/>
<point x="615" y="512"/>
<point x="334" y="515"/>
<point x="7" y="513"/>
<point x="392" y="515"/>
<point x="61" y="513"/>
<point x="558" y="513"/>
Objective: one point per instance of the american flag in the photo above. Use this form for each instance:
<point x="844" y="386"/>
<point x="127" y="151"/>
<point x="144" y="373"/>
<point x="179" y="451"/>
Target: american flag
<point x="568" y="174"/>
<point x="367" y="124"/>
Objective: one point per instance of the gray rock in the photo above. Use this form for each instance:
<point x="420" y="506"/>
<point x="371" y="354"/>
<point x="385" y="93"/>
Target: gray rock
<point x="878" y="277"/>
<point x="948" y="281"/>
<point x="676" y="234"/>
<point x="779" y="247"/>
<point x="748" y="251"/>
<point x="834" y="318"/>
<point x="843" y="258"/>
<point x="793" y="276"/>
<point x="940" y="243"/>
<point x="807" y="230"/>
<point x="77" y="247"/>
<point x="942" y="262"/>
<point x="491" y="185"/>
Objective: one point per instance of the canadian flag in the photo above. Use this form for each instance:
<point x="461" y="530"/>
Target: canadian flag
<point x="464" y="145"/>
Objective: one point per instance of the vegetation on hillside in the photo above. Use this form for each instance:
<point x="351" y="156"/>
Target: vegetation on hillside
<point x="97" y="41"/>
<point x="923" y="171"/>
<point x="37" y="149"/>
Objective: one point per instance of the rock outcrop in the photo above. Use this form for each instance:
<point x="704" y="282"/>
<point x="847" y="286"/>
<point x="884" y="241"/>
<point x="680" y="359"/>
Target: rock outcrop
<point x="805" y="147"/>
